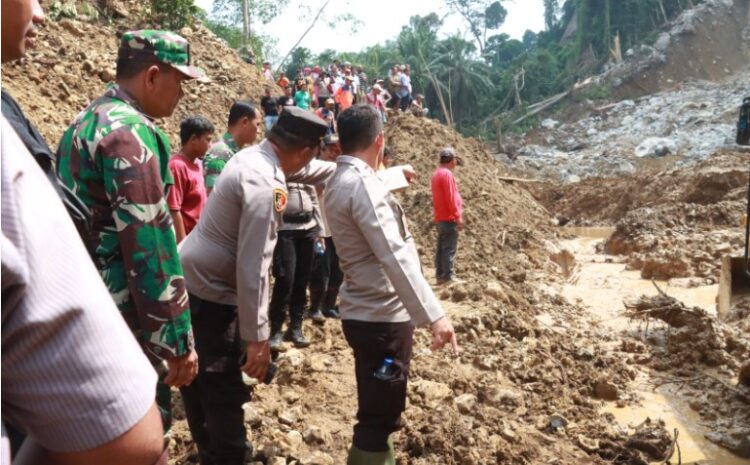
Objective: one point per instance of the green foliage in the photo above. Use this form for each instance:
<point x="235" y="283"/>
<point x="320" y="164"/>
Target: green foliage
<point x="481" y="16"/>
<point x="594" y="92"/>
<point x="633" y="20"/>
<point x="60" y="10"/>
<point x="300" y="58"/>
<point x="173" y="14"/>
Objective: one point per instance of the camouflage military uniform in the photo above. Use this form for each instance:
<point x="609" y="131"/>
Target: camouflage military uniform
<point x="116" y="160"/>
<point x="217" y="157"/>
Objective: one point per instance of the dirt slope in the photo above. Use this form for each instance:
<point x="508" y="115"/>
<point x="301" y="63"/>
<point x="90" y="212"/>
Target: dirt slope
<point x="502" y="219"/>
<point x="707" y="42"/>
<point x="603" y="201"/>
<point x="75" y="59"/>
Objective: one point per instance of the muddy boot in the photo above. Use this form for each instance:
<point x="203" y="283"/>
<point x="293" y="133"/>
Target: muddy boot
<point x="329" y="306"/>
<point x="361" y="457"/>
<point x="276" y="341"/>
<point x="316" y="299"/>
<point x="295" y="334"/>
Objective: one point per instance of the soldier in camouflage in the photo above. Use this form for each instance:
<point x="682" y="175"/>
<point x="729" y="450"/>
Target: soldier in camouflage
<point x="242" y="130"/>
<point x="116" y="160"/>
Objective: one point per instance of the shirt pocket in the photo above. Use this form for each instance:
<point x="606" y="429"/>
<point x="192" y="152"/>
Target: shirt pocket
<point x="400" y="215"/>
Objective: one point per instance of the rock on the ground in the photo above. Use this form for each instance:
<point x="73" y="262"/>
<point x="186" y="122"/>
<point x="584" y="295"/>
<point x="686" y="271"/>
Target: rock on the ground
<point x="316" y="435"/>
<point x="605" y="390"/>
<point x="316" y="458"/>
<point x="744" y="375"/>
<point x="656" y="147"/>
<point x="293" y="357"/>
<point x="465" y="403"/>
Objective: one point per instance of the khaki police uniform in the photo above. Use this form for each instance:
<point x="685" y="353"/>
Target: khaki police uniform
<point x="383" y="297"/>
<point x="226" y="260"/>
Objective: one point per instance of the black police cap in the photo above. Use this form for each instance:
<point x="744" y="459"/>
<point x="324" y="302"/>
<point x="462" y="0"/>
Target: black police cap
<point x="302" y="125"/>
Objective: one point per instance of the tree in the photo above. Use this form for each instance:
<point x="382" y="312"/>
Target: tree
<point x="299" y="58"/>
<point x="236" y="13"/>
<point x="501" y="50"/>
<point x="551" y="10"/>
<point x="481" y="16"/>
<point x="174" y="14"/>
<point x="465" y="79"/>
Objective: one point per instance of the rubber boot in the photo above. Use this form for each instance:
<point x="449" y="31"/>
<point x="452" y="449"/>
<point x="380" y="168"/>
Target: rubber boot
<point x="276" y="341"/>
<point x="316" y="299"/>
<point x="295" y="334"/>
<point x="361" y="457"/>
<point x="329" y="306"/>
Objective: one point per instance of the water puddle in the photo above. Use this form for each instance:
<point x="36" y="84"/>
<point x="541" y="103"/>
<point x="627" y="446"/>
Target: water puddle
<point x="601" y="284"/>
<point x="589" y="232"/>
<point x="666" y="405"/>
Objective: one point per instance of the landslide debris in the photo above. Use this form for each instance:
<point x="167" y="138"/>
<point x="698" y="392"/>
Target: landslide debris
<point x="702" y="356"/>
<point x="677" y="223"/>
<point x="607" y="138"/>
<point x="505" y="225"/>
<point x="525" y="391"/>
<point x="74" y="60"/>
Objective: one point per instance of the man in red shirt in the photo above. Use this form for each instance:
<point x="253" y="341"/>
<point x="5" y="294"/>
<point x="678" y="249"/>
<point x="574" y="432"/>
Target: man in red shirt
<point x="447" y="204"/>
<point x="188" y="194"/>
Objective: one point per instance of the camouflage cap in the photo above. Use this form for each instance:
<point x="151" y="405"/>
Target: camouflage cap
<point x="159" y="46"/>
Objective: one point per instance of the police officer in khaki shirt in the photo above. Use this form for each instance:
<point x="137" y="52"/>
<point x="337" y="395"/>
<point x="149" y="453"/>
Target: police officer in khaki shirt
<point x="384" y="295"/>
<point x="226" y="260"/>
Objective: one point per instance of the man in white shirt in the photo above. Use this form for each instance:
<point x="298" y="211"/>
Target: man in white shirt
<point x="384" y="295"/>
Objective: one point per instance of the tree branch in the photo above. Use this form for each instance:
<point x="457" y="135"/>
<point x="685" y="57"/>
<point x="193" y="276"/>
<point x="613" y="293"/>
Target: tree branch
<point x="312" y="24"/>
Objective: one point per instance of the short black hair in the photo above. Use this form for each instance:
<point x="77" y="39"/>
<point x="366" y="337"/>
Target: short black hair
<point x="387" y="151"/>
<point x="128" y="68"/>
<point x="239" y="110"/>
<point x="358" y="126"/>
<point x="194" y="126"/>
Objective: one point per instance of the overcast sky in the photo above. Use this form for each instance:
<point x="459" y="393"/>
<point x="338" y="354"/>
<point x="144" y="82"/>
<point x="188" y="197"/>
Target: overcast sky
<point x="380" y="21"/>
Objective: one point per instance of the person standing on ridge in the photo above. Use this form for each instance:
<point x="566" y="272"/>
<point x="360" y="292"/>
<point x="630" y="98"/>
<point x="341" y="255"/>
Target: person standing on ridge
<point x="448" y="209"/>
<point x="270" y="108"/>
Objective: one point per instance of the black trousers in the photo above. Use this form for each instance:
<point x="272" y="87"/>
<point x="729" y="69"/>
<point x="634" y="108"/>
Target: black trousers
<point x="292" y="261"/>
<point x="326" y="272"/>
<point x="213" y="402"/>
<point x="381" y="402"/>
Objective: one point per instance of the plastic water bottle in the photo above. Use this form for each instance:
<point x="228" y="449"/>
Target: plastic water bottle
<point x="319" y="249"/>
<point x="386" y="370"/>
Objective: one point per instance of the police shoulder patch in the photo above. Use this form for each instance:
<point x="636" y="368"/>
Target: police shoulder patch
<point x="279" y="199"/>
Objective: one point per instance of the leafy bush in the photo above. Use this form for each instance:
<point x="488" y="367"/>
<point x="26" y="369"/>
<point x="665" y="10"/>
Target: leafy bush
<point x="173" y="14"/>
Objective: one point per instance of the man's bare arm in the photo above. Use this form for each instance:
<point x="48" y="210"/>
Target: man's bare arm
<point x="179" y="225"/>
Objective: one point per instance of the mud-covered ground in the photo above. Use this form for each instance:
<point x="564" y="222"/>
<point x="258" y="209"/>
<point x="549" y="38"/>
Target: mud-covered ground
<point x="540" y="372"/>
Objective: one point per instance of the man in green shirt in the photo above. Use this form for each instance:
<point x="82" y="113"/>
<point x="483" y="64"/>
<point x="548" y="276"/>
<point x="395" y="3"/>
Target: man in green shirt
<point x="242" y="130"/>
<point x="116" y="160"/>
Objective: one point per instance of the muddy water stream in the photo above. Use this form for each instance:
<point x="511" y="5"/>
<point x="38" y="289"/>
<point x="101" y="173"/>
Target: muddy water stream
<point x="601" y="284"/>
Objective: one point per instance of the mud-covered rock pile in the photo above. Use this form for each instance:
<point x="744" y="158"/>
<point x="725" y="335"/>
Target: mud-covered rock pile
<point x="677" y="223"/>
<point x="74" y="60"/>
<point x="681" y="126"/>
<point x="672" y="242"/>
<point x="505" y="225"/>
<point x="604" y="201"/>
<point x="703" y="356"/>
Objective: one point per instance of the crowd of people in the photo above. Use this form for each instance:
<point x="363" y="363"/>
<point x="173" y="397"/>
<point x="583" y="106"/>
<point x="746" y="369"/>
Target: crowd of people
<point x="129" y="269"/>
<point x="332" y="89"/>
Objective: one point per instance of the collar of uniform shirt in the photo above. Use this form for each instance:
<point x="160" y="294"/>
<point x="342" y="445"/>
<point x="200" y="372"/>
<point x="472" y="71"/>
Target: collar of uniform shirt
<point x="356" y="162"/>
